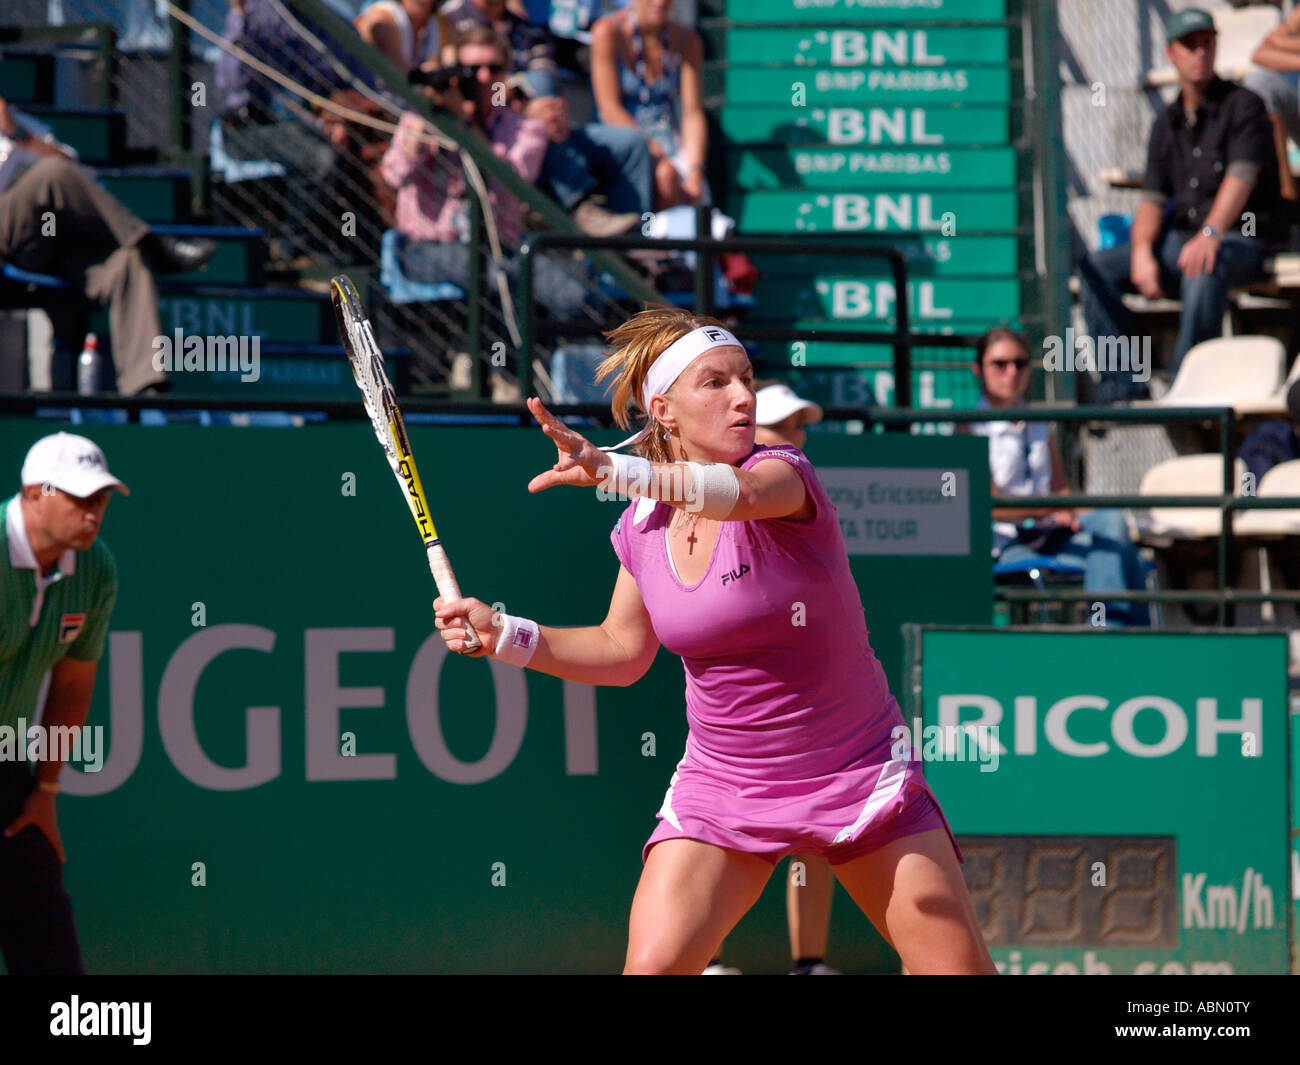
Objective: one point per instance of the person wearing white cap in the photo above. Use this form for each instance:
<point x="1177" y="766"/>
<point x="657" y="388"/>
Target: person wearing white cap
<point x="58" y="584"/>
<point x="731" y="556"/>
<point x="782" y="416"/>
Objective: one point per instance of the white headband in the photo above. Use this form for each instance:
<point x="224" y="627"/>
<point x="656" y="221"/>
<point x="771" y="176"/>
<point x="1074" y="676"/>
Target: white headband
<point x="669" y="366"/>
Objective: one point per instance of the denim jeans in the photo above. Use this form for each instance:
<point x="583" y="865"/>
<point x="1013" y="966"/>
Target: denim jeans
<point x="1104" y="275"/>
<point x="1110" y="561"/>
<point x="613" y="160"/>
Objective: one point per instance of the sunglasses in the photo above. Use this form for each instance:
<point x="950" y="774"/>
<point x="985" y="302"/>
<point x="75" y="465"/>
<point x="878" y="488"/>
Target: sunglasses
<point x="1003" y="364"/>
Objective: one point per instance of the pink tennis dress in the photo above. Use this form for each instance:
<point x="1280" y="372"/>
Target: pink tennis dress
<point x="789" y="710"/>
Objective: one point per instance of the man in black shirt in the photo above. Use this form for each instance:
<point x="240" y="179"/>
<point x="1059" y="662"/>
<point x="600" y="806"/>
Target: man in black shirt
<point x="1209" y="207"/>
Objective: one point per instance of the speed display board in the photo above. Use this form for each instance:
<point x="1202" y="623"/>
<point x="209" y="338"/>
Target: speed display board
<point x="1122" y="798"/>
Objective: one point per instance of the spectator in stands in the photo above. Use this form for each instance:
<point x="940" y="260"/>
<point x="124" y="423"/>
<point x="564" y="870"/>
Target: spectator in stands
<point x="55" y="219"/>
<point x="531" y="50"/>
<point x="782" y="415"/>
<point x="1209" y="207"/>
<point x="601" y="175"/>
<point x="646" y="75"/>
<point x="1024" y="460"/>
<point x="432" y="211"/>
<point x="262" y="123"/>
<point x="408" y="32"/>
<point x="1278" y="85"/>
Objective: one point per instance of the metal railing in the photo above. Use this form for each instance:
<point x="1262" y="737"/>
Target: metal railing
<point x="900" y="338"/>
<point x="1227" y="502"/>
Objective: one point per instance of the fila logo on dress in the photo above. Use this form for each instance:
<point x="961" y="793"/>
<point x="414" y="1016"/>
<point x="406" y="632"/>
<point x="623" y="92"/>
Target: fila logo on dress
<point x="735" y="574"/>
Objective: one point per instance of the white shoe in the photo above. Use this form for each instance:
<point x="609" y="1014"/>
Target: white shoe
<point x="461" y="378"/>
<point x="718" y="969"/>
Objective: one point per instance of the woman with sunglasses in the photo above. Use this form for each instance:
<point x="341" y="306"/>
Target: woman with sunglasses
<point x="1024" y="460"/>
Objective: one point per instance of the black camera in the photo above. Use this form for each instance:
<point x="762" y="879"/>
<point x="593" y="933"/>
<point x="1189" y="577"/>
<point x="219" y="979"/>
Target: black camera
<point x="440" y="79"/>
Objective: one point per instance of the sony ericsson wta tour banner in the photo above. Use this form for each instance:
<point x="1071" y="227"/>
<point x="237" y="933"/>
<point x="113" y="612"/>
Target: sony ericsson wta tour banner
<point x="294" y="776"/>
<point x="1121" y="798"/>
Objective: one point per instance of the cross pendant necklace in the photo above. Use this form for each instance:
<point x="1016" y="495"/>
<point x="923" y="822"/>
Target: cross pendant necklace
<point x="688" y="522"/>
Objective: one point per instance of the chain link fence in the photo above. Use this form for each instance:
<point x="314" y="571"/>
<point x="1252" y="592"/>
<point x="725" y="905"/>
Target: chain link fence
<point x="295" y="149"/>
<point x="1109" y="51"/>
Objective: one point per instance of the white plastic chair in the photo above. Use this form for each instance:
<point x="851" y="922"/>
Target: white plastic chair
<point x="1243" y="372"/>
<point x="1282" y="480"/>
<point x="1186" y="475"/>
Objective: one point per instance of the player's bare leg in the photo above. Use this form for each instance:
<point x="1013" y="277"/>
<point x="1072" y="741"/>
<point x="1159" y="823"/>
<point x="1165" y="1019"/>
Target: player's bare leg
<point x="691" y="894"/>
<point x="808" y="906"/>
<point x="913" y="892"/>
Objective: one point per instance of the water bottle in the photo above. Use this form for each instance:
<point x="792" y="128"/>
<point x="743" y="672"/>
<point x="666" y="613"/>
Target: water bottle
<point x="88" y="367"/>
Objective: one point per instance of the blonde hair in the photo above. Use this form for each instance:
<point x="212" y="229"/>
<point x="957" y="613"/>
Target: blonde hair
<point x="637" y="343"/>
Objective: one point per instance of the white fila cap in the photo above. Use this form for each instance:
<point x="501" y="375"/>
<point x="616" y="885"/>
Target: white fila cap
<point x="70" y="463"/>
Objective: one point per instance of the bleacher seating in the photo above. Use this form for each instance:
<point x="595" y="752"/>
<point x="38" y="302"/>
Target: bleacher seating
<point x="227" y="296"/>
<point x="1240" y="371"/>
<point x="1186" y="475"/>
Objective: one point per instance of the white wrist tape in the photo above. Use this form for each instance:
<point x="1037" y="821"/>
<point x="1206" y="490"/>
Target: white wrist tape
<point x="713" y="493"/>
<point x="716" y="489"/>
<point x="630" y="476"/>
<point x="517" y="640"/>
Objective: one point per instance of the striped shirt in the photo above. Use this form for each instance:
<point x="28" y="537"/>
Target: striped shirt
<point x="44" y="618"/>
<point x="431" y="197"/>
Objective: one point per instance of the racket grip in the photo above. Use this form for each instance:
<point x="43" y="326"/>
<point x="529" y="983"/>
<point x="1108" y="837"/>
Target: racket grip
<point x="445" y="579"/>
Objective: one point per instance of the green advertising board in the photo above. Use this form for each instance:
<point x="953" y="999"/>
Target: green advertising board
<point x="854" y="299"/>
<point x="832" y="86"/>
<point x="285" y="316"/>
<point x="931" y="256"/>
<point x="1295" y="844"/>
<point x="775" y="168"/>
<point x="893" y="125"/>
<point x="1121" y="797"/>
<point x="848" y="46"/>
<point x="875" y="11"/>
<point x="941" y="389"/>
<point x="297" y="777"/>
<point x="946" y="213"/>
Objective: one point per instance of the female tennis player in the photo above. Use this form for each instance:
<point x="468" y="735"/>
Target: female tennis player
<point x="731" y="557"/>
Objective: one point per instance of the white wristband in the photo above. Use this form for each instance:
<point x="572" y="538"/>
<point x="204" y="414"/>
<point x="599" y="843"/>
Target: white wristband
<point x="517" y="641"/>
<point x="715" y="488"/>
<point x="630" y="476"/>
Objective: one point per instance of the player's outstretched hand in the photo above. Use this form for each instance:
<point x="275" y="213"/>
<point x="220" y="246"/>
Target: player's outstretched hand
<point x="579" y="461"/>
<point x="450" y="621"/>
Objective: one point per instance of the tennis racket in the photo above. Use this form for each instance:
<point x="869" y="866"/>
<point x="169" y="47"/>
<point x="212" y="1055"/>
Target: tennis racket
<point x="386" y="419"/>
